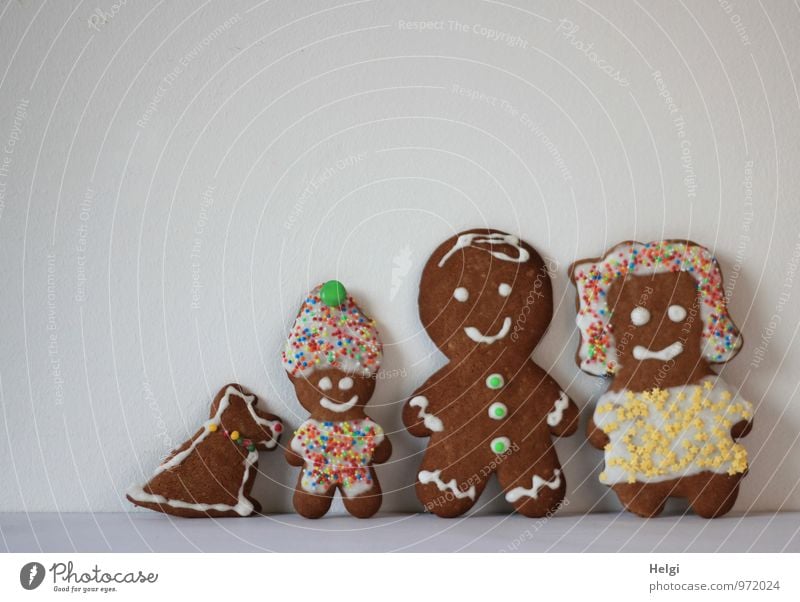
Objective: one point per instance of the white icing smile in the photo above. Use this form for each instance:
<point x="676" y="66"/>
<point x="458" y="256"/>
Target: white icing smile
<point x="477" y="336"/>
<point x="338" y="407"/>
<point x="667" y="353"/>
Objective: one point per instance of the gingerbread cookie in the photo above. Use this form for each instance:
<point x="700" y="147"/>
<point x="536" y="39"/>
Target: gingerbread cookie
<point x="486" y="300"/>
<point x="332" y="358"/>
<point x="653" y="318"/>
<point x="212" y="473"/>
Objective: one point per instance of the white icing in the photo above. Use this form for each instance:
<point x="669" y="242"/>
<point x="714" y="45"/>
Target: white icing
<point x="461" y="294"/>
<point x="504" y="289"/>
<point x="536" y="484"/>
<point x="243" y="507"/>
<point x="325" y="384"/>
<point x="345" y="384"/>
<point x="498" y="406"/>
<point x="561" y="404"/>
<point x="667" y="353"/>
<point x="640" y="316"/>
<point x="426" y="477"/>
<point x="336" y="464"/>
<point x="470" y="239"/>
<point x="504" y="441"/>
<point x="698" y="432"/>
<point x="338" y="407"/>
<point x="431" y="422"/>
<point x="477" y="336"/>
<point x="676" y="313"/>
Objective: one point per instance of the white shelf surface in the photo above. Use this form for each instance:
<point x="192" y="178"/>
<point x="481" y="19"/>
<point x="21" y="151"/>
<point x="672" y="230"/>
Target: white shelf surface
<point x="153" y="532"/>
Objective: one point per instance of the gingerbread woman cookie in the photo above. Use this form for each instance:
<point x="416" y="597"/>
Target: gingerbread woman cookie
<point x="212" y="473"/>
<point x="486" y="300"/>
<point x="653" y="317"/>
<point x="332" y="358"/>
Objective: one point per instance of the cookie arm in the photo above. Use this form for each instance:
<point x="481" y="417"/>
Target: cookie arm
<point x="741" y="429"/>
<point x="419" y="412"/>
<point x="382" y="452"/>
<point x="597" y="438"/>
<point x="292" y="457"/>
<point x="568" y="423"/>
<point x="562" y="413"/>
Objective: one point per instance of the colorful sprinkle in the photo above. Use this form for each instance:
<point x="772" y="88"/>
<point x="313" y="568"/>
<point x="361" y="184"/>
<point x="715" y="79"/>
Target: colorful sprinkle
<point x="325" y="336"/>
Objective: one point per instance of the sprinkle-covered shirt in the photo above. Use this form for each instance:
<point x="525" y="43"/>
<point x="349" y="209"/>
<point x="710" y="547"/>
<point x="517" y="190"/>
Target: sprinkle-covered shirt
<point x="337" y="453"/>
<point x="664" y="434"/>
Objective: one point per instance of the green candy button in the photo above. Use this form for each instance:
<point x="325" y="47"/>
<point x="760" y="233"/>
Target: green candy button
<point x="498" y="411"/>
<point x="495" y="381"/>
<point x="333" y="293"/>
<point x="500" y="445"/>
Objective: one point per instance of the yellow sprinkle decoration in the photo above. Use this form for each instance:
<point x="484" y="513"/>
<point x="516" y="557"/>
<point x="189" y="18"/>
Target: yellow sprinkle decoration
<point x="668" y="433"/>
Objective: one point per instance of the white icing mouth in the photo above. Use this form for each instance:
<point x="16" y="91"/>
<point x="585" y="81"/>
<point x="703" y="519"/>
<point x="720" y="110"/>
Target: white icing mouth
<point x="338" y="407"/>
<point x="667" y="353"/>
<point x="477" y="336"/>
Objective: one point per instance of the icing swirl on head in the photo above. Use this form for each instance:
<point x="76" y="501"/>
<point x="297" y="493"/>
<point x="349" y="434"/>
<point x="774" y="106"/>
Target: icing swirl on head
<point x="326" y="335"/>
<point x="470" y="239"/>
<point x="597" y="352"/>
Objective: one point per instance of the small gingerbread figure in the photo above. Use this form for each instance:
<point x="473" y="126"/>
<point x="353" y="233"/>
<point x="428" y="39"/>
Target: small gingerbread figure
<point x="485" y="300"/>
<point x="653" y="318"/>
<point x="332" y="358"/>
<point x="212" y="474"/>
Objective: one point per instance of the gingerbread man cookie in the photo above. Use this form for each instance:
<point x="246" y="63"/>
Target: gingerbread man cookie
<point x="653" y="317"/>
<point x="332" y="357"/>
<point x="486" y="300"/>
<point x="212" y="473"/>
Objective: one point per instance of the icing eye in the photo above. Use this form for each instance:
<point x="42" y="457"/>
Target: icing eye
<point x="461" y="294"/>
<point x="346" y="383"/>
<point x="504" y="290"/>
<point x="325" y="384"/>
<point x="640" y="316"/>
<point x="676" y="313"/>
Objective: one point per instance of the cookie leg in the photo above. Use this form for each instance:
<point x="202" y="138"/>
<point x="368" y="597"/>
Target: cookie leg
<point x="533" y="481"/>
<point x="311" y="505"/>
<point x="711" y="495"/>
<point x="644" y="499"/>
<point x="367" y="503"/>
<point x="448" y="490"/>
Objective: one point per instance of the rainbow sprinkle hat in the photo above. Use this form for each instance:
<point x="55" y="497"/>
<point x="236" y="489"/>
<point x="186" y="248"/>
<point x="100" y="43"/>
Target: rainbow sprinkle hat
<point x="331" y="331"/>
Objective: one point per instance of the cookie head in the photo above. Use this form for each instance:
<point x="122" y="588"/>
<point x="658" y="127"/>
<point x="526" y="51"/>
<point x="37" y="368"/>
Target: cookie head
<point x="234" y="413"/>
<point x="485" y="291"/>
<point x="646" y="305"/>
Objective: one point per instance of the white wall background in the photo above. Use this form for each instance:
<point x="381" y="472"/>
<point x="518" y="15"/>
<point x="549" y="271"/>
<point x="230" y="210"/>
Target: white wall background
<point x="174" y="176"/>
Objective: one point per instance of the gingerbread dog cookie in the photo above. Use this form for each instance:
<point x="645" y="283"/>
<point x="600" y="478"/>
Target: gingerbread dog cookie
<point x="332" y="357"/>
<point x="653" y="317"/>
<point x="486" y="300"/>
<point x="212" y="473"/>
